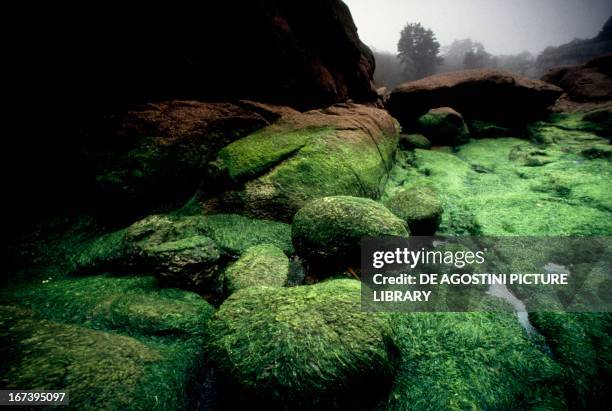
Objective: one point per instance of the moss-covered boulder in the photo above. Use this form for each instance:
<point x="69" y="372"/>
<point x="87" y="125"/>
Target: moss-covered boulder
<point x="471" y="361"/>
<point x="582" y="344"/>
<point x="341" y="150"/>
<point x="100" y="369"/>
<point x="136" y="306"/>
<point x="420" y="206"/>
<point x="186" y="251"/>
<point x="302" y="347"/>
<point x="262" y="265"/>
<point x="444" y="126"/>
<point x="486" y="129"/>
<point x="412" y="141"/>
<point x="328" y="231"/>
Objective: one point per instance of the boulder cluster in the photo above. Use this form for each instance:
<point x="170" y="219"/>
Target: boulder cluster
<point x="217" y="264"/>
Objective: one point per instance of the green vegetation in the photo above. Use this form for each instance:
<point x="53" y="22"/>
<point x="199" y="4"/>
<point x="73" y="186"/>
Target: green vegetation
<point x="581" y="344"/>
<point x="412" y="141"/>
<point x="115" y="343"/>
<point x="473" y="361"/>
<point x="419" y="206"/>
<point x="331" y="228"/>
<point x="444" y="126"/>
<point x="302" y="347"/>
<point x="262" y="265"/>
<point x="276" y="170"/>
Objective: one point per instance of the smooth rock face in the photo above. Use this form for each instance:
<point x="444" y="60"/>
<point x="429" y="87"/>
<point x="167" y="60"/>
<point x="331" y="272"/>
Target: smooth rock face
<point x="444" y="126"/>
<point x="483" y="94"/>
<point x="591" y="82"/>
<point x="155" y="155"/>
<point x="345" y="149"/>
<point x="328" y="231"/>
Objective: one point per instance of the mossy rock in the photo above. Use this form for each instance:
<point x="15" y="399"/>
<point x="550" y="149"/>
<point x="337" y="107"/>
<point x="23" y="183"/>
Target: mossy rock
<point x="412" y="141"/>
<point x="485" y="129"/>
<point x="420" y="206"/>
<point x="328" y="231"/>
<point x="132" y="305"/>
<point x="582" y="344"/>
<point x="477" y="360"/>
<point x="301" y="347"/>
<point x="186" y="251"/>
<point x="444" y="126"/>
<point x="342" y="150"/>
<point x="101" y="370"/>
<point x="262" y="265"/>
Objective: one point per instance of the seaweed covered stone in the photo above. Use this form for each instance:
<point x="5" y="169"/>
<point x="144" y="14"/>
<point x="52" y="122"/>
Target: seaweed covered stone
<point x="412" y="141"/>
<point x="475" y="360"/>
<point x="137" y="306"/>
<point x="301" y="347"/>
<point x="99" y="369"/>
<point x="345" y="149"/>
<point x="444" y="126"/>
<point x="186" y="251"/>
<point x="261" y="265"/>
<point x="420" y="206"/>
<point x="328" y="231"/>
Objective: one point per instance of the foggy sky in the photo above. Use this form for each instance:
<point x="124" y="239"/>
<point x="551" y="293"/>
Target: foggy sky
<point x="503" y="26"/>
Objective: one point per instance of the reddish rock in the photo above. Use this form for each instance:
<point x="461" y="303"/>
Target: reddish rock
<point x="591" y="82"/>
<point x="481" y="94"/>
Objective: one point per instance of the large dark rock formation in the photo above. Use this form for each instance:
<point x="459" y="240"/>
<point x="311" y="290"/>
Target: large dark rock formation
<point x="589" y="82"/>
<point x="578" y="51"/>
<point x="302" y="54"/>
<point x="482" y="94"/>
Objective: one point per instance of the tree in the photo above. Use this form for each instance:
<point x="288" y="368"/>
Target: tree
<point x="477" y="58"/>
<point x="418" y="51"/>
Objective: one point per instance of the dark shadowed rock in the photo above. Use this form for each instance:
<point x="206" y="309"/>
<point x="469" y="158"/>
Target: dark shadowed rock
<point x="484" y="94"/>
<point x="154" y="156"/>
<point x="591" y="82"/>
<point x="444" y="126"/>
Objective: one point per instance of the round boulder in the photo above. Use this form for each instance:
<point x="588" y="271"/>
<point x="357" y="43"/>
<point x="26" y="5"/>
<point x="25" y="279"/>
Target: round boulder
<point x="329" y="230"/>
<point x="301" y="347"/>
<point x="444" y="126"/>
<point x="419" y="206"/>
<point x="262" y="265"/>
<point x="412" y="141"/>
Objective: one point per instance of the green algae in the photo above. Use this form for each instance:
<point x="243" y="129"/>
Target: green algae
<point x="502" y="187"/>
<point x="301" y="347"/>
<point x="329" y="230"/>
<point x="419" y="206"/>
<point x="581" y="343"/>
<point x="132" y="305"/>
<point x="251" y="156"/>
<point x="262" y="265"/>
<point x="459" y="361"/>
<point x="100" y="369"/>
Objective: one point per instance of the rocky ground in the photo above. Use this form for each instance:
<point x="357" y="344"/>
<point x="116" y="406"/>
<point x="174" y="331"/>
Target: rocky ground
<point x="208" y="253"/>
<point x="232" y="282"/>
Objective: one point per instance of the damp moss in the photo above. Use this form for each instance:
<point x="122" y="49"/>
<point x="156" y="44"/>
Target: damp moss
<point x="510" y="186"/>
<point x="132" y="305"/>
<point x="99" y="369"/>
<point x="331" y="228"/>
<point x="301" y="347"/>
<point x="262" y="265"/>
<point x="419" y="206"/>
<point x="478" y="360"/>
<point x="260" y="151"/>
<point x="581" y="343"/>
